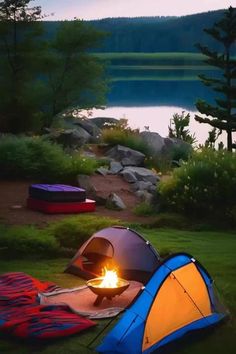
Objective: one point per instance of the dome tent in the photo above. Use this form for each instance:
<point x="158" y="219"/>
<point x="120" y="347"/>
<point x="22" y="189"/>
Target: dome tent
<point x="179" y="298"/>
<point x="119" y="247"/>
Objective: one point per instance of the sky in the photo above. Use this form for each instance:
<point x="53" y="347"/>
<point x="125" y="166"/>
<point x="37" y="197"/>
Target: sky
<point x="95" y="9"/>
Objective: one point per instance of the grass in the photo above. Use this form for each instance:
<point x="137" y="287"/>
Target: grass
<point x="165" y="55"/>
<point x="155" y="78"/>
<point x="216" y="251"/>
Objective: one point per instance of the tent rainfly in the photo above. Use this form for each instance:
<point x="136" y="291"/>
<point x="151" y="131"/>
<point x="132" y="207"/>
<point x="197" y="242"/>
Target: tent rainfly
<point x="178" y="298"/>
<point x="118" y="247"/>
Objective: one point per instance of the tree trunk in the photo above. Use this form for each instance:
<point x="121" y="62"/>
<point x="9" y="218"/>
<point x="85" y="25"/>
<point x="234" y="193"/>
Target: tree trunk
<point x="229" y="140"/>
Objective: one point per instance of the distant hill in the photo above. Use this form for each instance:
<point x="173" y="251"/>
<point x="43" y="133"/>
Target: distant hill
<point x="154" y="34"/>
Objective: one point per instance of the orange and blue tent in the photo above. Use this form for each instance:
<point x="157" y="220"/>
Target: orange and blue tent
<point x="178" y="298"/>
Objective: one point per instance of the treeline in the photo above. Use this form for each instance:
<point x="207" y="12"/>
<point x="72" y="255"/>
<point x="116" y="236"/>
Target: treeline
<point x="155" y="34"/>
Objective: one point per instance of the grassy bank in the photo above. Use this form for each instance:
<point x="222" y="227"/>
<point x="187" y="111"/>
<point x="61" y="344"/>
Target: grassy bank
<point x="216" y="250"/>
<point x="154" y="66"/>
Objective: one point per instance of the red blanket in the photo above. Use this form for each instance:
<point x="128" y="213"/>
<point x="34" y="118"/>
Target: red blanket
<point x="22" y="316"/>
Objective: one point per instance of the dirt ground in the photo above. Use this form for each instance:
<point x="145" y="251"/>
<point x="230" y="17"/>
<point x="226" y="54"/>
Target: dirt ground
<point x="13" y="196"/>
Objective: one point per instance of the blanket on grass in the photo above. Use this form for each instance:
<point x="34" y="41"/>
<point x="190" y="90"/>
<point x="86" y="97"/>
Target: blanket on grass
<point x="21" y="314"/>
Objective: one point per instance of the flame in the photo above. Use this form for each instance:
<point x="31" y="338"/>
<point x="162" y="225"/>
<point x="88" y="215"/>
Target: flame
<point x="110" y="279"/>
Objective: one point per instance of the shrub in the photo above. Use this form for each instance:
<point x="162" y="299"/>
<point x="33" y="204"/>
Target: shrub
<point x="205" y="185"/>
<point x="35" y="158"/>
<point x="72" y="232"/>
<point x="27" y="241"/>
<point x="171" y="221"/>
<point x="144" y="209"/>
<point x="121" y="134"/>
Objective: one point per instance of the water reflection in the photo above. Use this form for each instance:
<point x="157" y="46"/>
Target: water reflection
<point x="154" y="93"/>
<point x="152" y="104"/>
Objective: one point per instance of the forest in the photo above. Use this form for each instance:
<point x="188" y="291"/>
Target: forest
<point x="154" y="34"/>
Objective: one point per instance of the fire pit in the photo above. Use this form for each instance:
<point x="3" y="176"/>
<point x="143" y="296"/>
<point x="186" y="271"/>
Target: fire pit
<point x="107" y="286"/>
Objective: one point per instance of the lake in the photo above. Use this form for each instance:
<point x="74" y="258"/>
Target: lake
<point x="149" y="90"/>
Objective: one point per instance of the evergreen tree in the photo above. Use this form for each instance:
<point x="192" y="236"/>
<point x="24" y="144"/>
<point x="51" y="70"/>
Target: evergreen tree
<point x="178" y="128"/>
<point x="222" y="115"/>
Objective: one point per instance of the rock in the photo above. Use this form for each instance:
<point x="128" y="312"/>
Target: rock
<point x="154" y="141"/>
<point x="142" y="174"/>
<point x="85" y="183"/>
<point x="115" y="202"/>
<point x="172" y="144"/>
<point x="144" y="196"/>
<point x="128" y="176"/>
<point x="88" y="154"/>
<point x="152" y="189"/>
<point x="89" y="126"/>
<point x="102" y="171"/>
<point x="127" y="156"/>
<point x="115" y="167"/>
<point x="141" y="185"/>
<point x="71" y="137"/>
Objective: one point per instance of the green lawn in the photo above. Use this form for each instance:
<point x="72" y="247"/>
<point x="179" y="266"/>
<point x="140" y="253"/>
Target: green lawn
<point x="216" y="250"/>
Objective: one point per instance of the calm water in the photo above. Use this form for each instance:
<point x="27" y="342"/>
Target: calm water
<point x="153" y="103"/>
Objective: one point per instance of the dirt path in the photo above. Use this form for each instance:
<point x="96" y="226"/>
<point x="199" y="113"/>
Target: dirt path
<point x="13" y="195"/>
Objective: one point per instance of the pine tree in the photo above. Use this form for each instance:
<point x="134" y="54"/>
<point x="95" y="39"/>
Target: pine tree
<point x="222" y="115"/>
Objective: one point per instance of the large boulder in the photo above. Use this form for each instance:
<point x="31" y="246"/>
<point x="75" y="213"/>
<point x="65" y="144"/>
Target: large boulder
<point x="173" y="145"/>
<point x="89" y="126"/>
<point x="154" y="141"/>
<point x="127" y="156"/>
<point x="141" y="174"/>
<point x="70" y="138"/>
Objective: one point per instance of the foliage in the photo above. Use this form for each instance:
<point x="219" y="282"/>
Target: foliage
<point x="212" y="137"/>
<point x="205" y="185"/>
<point x="221" y="115"/>
<point x="169" y="220"/>
<point x="35" y="158"/>
<point x="19" y="52"/>
<point x="144" y="209"/>
<point x="27" y="241"/>
<point x="40" y="78"/>
<point x="122" y="134"/>
<point x="74" y="78"/>
<point x="74" y="231"/>
<point x="178" y="128"/>
<point x="61" y="238"/>
<point x="155" y="34"/>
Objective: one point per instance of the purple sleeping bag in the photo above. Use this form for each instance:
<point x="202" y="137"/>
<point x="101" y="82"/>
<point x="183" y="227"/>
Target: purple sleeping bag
<point x="57" y="193"/>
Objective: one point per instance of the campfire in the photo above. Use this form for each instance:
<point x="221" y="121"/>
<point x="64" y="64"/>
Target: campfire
<point x="107" y="286"/>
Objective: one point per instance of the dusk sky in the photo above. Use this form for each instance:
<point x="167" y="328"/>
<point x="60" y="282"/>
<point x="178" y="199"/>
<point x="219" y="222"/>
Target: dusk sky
<point x="94" y="9"/>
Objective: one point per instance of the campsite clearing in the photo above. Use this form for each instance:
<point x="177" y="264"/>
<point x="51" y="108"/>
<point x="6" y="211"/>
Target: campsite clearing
<point x="215" y="250"/>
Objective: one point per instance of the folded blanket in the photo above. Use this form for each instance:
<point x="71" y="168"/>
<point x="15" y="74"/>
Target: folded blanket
<point x="21" y="314"/>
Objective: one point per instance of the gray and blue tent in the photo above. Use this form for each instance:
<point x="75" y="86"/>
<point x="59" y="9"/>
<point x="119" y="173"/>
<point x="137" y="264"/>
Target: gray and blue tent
<point x="178" y="298"/>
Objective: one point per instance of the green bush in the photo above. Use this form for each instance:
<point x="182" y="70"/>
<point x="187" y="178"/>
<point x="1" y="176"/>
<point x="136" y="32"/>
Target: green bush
<point x="35" y="158"/>
<point x="27" y="241"/>
<point x="144" y="209"/>
<point x="72" y="232"/>
<point x="123" y="135"/>
<point x="205" y="185"/>
<point x="170" y="221"/>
